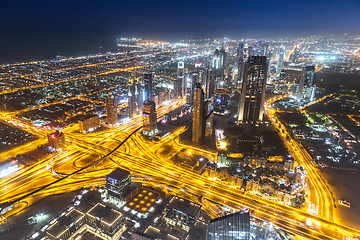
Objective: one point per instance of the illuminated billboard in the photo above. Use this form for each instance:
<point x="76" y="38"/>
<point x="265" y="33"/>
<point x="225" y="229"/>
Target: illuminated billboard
<point x="180" y="65"/>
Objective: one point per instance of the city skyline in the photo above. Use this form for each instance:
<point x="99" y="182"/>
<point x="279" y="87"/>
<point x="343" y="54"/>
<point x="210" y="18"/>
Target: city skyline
<point x="180" y="120"/>
<point x="42" y="29"/>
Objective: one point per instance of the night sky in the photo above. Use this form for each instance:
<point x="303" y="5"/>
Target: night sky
<point x="43" y="29"/>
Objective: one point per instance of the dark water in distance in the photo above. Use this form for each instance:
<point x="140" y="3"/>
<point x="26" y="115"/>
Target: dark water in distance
<point x="48" y="48"/>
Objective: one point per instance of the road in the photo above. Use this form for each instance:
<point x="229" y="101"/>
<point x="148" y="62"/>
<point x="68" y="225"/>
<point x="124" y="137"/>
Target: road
<point x="143" y="158"/>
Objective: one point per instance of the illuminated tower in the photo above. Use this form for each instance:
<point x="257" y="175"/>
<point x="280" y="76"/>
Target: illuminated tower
<point x="210" y="84"/>
<point x="131" y="100"/>
<point x="251" y="106"/>
<point x="280" y="62"/>
<point x="191" y="80"/>
<point x="138" y="97"/>
<point x="148" y="86"/>
<point x="198" y="125"/>
<point x="111" y="110"/>
<point x="149" y="117"/>
<point x="306" y="85"/>
<point x="179" y="83"/>
<point x="240" y="62"/>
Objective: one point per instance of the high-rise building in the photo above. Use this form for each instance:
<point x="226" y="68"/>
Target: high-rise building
<point x="131" y="100"/>
<point x="56" y="140"/>
<point x="191" y="80"/>
<point x="234" y="226"/>
<point x="210" y="84"/>
<point x="138" y="97"/>
<point x="215" y="64"/>
<point x="280" y="62"/>
<point x="223" y="58"/>
<point x="251" y="106"/>
<point x="149" y="117"/>
<point x="240" y="63"/>
<point x="118" y="184"/>
<point x="198" y="125"/>
<point x="148" y="86"/>
<point x="111" y="110"/>
<point x="221" y="96"/>
<point x="306" y="87"/>
<point x="209" y="126"/>
<point x="179" y="83"/>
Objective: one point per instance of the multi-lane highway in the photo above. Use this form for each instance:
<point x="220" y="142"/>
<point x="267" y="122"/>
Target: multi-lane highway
<point x="142" y="157"/>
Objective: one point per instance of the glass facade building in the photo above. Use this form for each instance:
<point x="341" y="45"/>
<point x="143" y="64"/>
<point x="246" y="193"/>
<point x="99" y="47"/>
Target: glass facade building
<point x="234" y="226"/>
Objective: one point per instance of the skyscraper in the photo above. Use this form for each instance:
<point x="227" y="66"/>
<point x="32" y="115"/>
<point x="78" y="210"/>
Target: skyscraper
<point x="209" y="126"/>
<point x="306" y="83"/>
<point x="215" y="64"/>
<point x="149" y="117"/>
<point x="280" y="62"/>
<point x="131" y="100"/>
<point x="148" y="86"/>
<point x="179" y="83"/>
<point x="210" y="84"/>
<point x="111" y="110"/>
<point x="198" y="126"/>
<point x="251" y="106"/>
<point x="240" y="62"/>
<point x="234" y="226"/>
<point x="190" y="85"/>
<point x="138" y="98"/>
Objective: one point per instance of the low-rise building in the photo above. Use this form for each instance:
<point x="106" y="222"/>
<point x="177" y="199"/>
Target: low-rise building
<point x="104" y="218"/>
<point x="56" y="140"/>
<point x="89" y="123"/>
<point x="181" y="213"/>
<point x="66" y="226"/>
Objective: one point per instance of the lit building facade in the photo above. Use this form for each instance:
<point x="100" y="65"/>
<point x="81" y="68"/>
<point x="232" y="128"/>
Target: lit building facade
<point x="111" y="110"/>
<point x="306" y="87"/>
<point x="89" y="123"/>
<point x="198" y="125"/>
<point x="181" y="213"/>
<point x="56" y="140"/>
<point x="234" y="226"/>
<point x="149" y="117"/>
<point x="148" y="77"/>
<point x="251" y="106"/>
<point x="179" y="83"/>
<point x="118" y="184"/>
<point x="220" y="102"/>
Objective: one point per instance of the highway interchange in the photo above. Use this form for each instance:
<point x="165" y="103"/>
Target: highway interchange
<point x="144" y="159"/>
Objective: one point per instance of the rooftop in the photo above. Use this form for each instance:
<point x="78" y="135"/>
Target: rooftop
<point x="184" y="206"/>
<point x="88" y="116"/>
<point x="230" y="216"/>
<point x="118" y="174"/>
<point x="105" y="213"/>
<point x="64" y="222"/>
